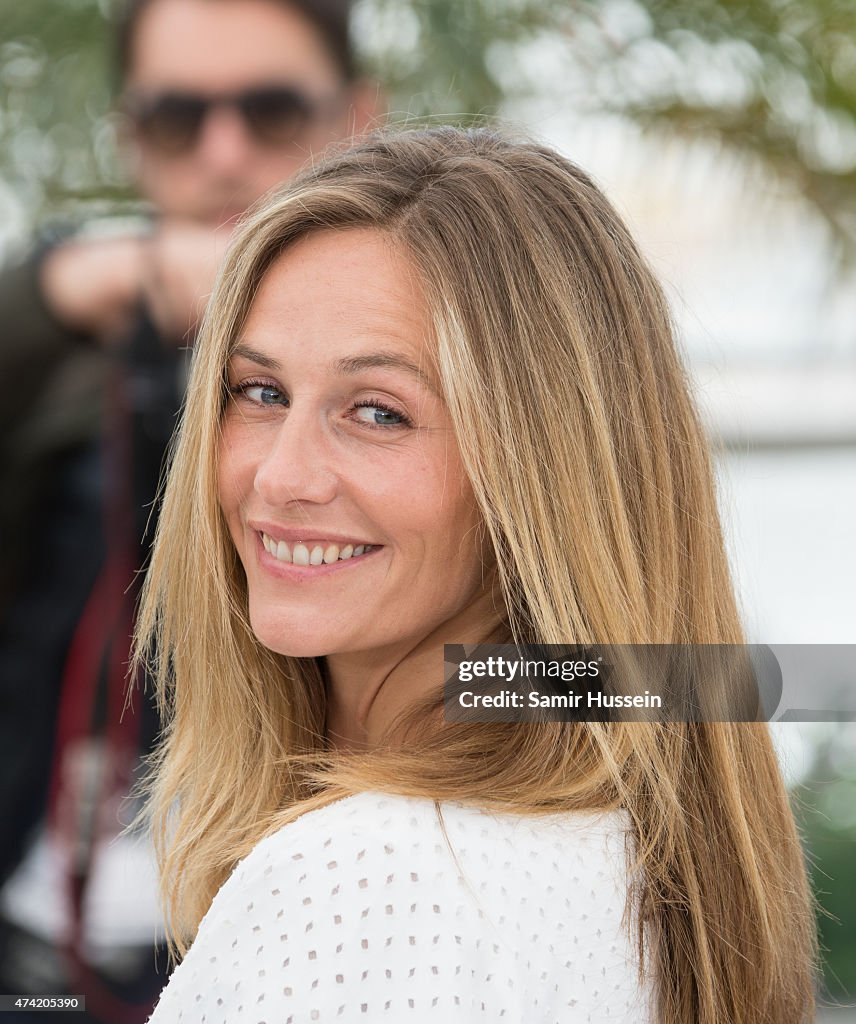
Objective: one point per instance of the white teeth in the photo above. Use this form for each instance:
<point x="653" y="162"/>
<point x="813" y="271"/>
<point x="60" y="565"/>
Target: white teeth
<point x="302" y="556"/>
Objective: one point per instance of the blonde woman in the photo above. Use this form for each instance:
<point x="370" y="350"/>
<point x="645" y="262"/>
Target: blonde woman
<point x="436" y="400"/>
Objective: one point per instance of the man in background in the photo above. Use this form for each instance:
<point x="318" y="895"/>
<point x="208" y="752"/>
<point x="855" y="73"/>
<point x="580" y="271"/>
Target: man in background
<point x="224" y="99"/>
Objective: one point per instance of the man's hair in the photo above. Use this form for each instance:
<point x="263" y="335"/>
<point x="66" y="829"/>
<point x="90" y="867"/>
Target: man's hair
<point x="329" y="17"/>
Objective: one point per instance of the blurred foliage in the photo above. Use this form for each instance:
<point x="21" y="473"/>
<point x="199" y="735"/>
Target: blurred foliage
<point x="826" y="809"/>
<point x="56" y="132"/>
<point x="774" y="78"/>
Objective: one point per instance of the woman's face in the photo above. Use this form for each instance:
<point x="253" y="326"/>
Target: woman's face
<point x="340" y="477"/>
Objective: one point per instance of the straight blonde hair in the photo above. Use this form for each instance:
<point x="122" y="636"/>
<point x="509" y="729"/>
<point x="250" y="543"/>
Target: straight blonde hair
<point x="556" y="357"/>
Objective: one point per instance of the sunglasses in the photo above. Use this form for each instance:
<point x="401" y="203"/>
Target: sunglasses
<point x="274" y="115"/>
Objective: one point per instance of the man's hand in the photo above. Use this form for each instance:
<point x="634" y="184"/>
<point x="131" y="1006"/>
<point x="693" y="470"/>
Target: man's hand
<point x="95" y="285"/>
<point x="180" y="263"/>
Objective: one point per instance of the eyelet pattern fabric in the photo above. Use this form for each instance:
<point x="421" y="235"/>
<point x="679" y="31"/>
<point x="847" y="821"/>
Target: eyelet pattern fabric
<point x="363" y="911"/>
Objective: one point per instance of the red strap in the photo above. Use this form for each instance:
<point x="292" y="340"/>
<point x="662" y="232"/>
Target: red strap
<point x="101" y="644"/>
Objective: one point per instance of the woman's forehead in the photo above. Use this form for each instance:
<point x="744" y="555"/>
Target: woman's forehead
<point x="349" y="296"/>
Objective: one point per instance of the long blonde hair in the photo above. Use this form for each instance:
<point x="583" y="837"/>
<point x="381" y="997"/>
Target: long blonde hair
<point x="556" y="357"/>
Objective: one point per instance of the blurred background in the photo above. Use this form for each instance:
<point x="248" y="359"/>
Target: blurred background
<point x="725" y="133"/>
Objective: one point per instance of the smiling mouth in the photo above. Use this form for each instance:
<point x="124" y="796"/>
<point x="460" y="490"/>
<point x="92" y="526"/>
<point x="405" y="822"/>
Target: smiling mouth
<point x="313" y="552"/>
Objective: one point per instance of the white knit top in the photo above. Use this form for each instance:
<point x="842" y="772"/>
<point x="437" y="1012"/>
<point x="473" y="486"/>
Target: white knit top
<point x="361" y="912"/>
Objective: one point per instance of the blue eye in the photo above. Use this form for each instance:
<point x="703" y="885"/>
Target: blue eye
<point x="261" y="394"/>
<point x="376" y="414"/>
<point x="379" y="417"/>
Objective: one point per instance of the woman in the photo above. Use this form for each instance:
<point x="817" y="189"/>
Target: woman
<point x="436" y="399"/>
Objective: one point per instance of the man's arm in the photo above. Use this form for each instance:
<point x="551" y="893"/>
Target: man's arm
<point x="88" y="292"/>
<point x="91" y="287"/>
<point x="96" y="286"/>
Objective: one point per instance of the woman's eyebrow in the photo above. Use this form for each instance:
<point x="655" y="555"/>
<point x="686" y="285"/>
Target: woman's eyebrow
<point x="255" y="356"/>
<point x="383" y="360"/>
<point x="348" y="366"/>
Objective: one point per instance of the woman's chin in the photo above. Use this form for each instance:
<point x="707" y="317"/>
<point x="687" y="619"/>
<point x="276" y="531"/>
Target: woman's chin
<point x="293" y="643"/>
<point x="292" y="647"/>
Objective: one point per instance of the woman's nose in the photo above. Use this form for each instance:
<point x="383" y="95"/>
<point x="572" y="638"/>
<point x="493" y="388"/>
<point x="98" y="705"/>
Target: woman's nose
<point x="297" y="465"/>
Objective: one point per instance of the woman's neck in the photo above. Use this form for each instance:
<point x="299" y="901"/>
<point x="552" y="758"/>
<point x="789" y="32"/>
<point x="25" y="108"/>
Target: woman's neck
<point x="366" y="690"/>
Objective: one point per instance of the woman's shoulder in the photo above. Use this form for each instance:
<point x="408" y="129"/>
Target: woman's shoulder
<point x="372" y="813"/>
<point x="374" y="839"/>
<point x="383" y="899"/>
<point x="378" y="819"/>
<point x="376" y="847"/>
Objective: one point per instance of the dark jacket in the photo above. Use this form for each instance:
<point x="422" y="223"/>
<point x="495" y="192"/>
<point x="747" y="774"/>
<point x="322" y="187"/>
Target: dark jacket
<point x="83" y="437"/>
